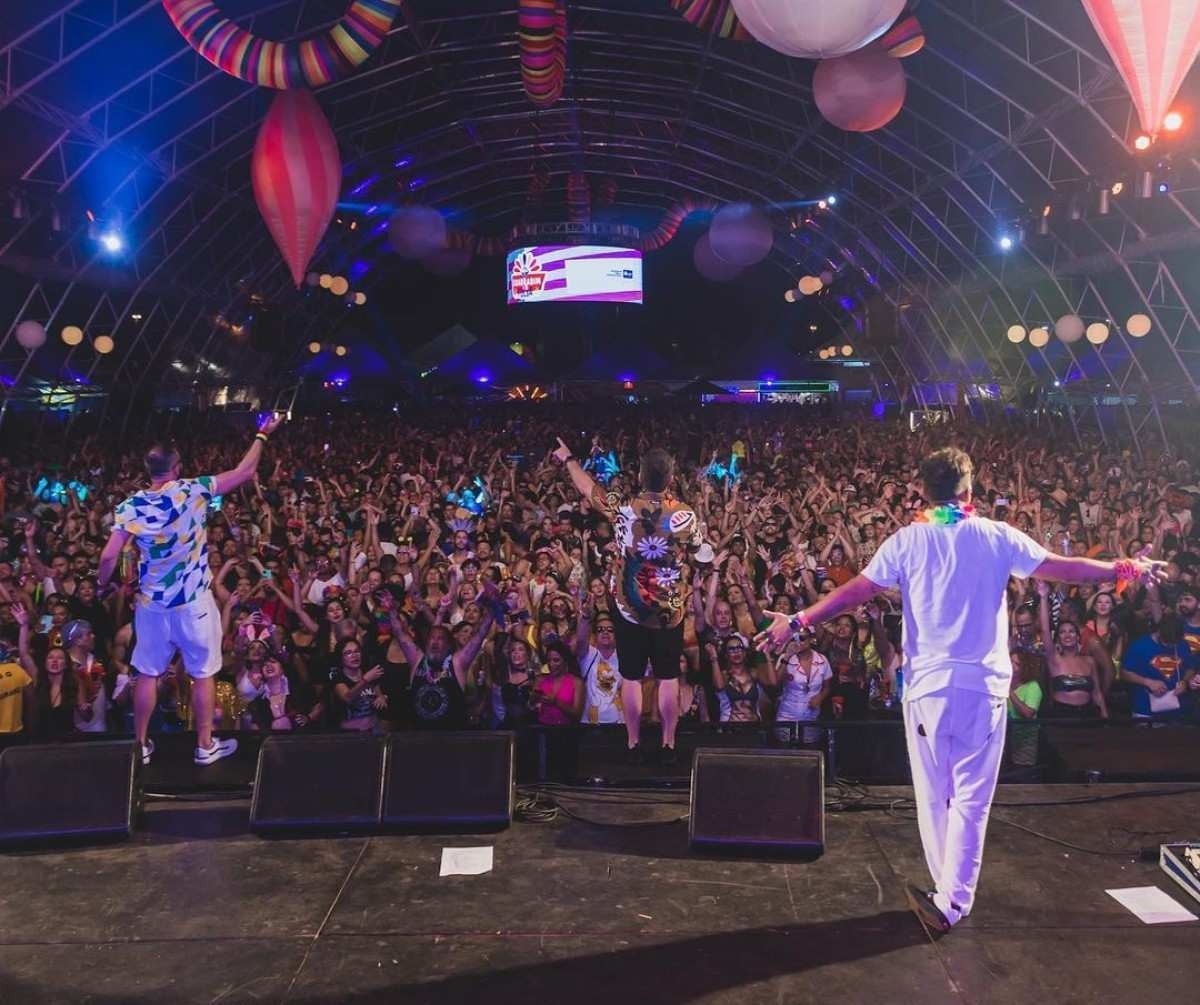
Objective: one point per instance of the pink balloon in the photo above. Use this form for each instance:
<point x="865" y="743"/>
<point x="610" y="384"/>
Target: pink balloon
<point x="741" y="234"/>
<point x="710" y="265"/>
<point x="296" y="173"/>
<point x="448" y="261"/>
<point x="416" y="231"/>
<point x="860" y="92"/>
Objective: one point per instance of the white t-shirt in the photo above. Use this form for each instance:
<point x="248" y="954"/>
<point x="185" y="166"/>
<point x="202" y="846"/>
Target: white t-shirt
<point x="603" y="679"/>
<point x="799" y="686"/>
<point x="953" y="581"/>
<point x="316" y="592"/>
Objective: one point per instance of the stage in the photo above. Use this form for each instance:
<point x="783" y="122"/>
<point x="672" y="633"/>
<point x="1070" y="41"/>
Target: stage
<point x="196" y="909"/>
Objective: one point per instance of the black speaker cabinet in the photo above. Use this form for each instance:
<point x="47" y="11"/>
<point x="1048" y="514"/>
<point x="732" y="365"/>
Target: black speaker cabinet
<point x="758" y="802"/>
<point x="330" y="782"/>
<point x="69" y="792"/>
<point x="449" y="782"/>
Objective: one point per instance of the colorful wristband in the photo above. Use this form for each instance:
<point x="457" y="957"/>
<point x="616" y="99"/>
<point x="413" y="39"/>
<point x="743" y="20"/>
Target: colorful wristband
<point x="799" y="622"/>
<point x="261" y="436"/>
<point x="1125" y="570"/>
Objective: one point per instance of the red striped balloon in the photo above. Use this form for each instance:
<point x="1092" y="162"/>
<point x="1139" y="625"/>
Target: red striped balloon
<point x="542" y="39"/>
<point x="296" y="172"/>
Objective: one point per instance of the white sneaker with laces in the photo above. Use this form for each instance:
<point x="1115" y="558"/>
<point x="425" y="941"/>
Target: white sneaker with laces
<point x="214" y="753"/>
<point x="147" y="751"/>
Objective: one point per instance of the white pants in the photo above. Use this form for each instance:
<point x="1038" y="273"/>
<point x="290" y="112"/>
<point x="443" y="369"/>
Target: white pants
<point x="955" y="743"/>
<point x="194" y="630"/>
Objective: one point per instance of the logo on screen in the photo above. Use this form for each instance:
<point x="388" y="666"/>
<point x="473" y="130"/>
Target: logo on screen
<point x="627" y="273"/>
<point x="526" y="277"/>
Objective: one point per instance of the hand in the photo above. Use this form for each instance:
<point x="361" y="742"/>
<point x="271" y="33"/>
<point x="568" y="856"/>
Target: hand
<point x="1150" y="571"/>
<point x="872" y="611"/>
<point x="271" y="422"/>
<point x="374" y="674"/>
<point x="20" y="615"/>
<point x="380" y="702"/>
<point x="1043" y="588"/>
<point x="814" y="701"/>
<point x="1181" y="687"/>
<point x="561" y="452"/>
<point x="1157" y="688"/>
<point x="31" y="526"/>
<point x="777" y="635"/>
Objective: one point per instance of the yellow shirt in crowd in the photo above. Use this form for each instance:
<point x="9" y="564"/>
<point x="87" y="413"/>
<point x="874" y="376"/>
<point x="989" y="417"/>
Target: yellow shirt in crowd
<point x="13" y="681"/>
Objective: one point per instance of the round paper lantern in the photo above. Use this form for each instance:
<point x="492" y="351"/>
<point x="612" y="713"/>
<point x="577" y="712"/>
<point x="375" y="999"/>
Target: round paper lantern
<point x="103" y="344"/>
<point x="416" y="231"/>
<point x="1016" y="334"/>
<point x="860" y="92"/>
<point x="31" y="335"/>
<point x="314" y="347"/>
<point x="809" y="285"/>
<point x="826" y="278"/>
<point x="1097" y="333"/>
<point x="741" y="234"/>
<point x="72" y="335"/>
<point x="339" y="286"/>
<point x="1069" y="328"/>
<point x="360" y="298"/>
<point x="1039" y="338"/>
<point x="709" y="265"/>
<point x="1138" y="326"/>
<point x="340" y="350"/>
<point x="847" y="350"/>
<point x="324" y="279"/>
<point x="448" y="261"/>
<point x="296" y="172"/>
<point x="817" y="29"/>
<point x="906" y="39"/>
<point x="789" y="295"/>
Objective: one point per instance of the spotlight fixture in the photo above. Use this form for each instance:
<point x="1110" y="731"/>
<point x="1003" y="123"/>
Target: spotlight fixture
<point x="1173" y="122"/>
<point x="72" y="335"/>
<point x="822" y="204"/>
<point x="1164" y="187"/>
<point x="1006" y="243"/>
<point x="814" y="328"/>
<point x="1142" y="142"/>
<point x="1043" y="224"/>
<point x="1103" y="203"/>
<point x="1145" y="185"/>
<point x="832" y="199"/>
<point x="1075" y="208"/>
<point x="314" y="347"/>
<point x="111" y="241"/>
<point x="1117" y="188"/>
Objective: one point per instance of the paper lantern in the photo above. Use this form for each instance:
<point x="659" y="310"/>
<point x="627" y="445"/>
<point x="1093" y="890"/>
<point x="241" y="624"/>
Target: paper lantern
<point x="103" y="344"/>
<point x="416" y="231"/>
<point x="740" y="234"/>
<point x="340" y="350"/>
<point x="314" y="347"/>
<point x="360" y="298"/>
<point x="1016" y="334"/>
<point x="1069" y="328"/>
<point x="72" y="335"/>
<point x="860" y="92"/>
<point x="1097" y="333"/>
<point x="296" y="172"/>
<point x="338" y="286"/>
<point x="817" y="29"/>
<point x="906" y="39"/>
<point x="448" y="262"/>
<point x="809" y="285"/>
<point x="31" y="335"/>
<point x="710" y="265"/>
<point x="324" y="280"/>
<point x="1138" y="326"/>
<point x="542" y="44"/>
<point x="847" y="350"/>
<point x="826" y="278"/>
<point x="789" y="295"/>
<point x="1039" y="338"/>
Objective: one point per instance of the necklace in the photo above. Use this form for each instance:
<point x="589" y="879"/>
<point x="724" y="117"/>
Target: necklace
<point x="947" y="514"/>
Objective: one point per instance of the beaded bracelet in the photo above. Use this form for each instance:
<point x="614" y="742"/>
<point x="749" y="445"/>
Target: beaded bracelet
<point x="1125" y="570"/>
<point x="799" y="622"/>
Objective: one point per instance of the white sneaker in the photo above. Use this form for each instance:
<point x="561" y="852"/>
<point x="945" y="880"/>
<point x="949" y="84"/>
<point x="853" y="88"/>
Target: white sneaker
<point x="218" y="749"/>
<point x="147" y="752"/>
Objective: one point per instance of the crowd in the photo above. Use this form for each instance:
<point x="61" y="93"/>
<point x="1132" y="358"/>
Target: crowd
<point x="436" y="570"/>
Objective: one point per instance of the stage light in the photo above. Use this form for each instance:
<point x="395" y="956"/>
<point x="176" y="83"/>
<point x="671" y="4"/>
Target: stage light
<point x="832" y="200"/>
<point x="1075" y="208"/>
<point x="314" y="347"/>
<point x="1057" y="382"/>
<point x="1039" y="338"/>
<point x="768" y="378"/>
<point x="483" y="378"/>
<point x="847" y="350"/>
<point x="1005" y="243"/>
<point x="1163" y="188"/>
<point x="72" y="335"/>
<point x="627" y="385"/>
<point x="111" y="241"/>
<point x="822" y="204"/>
<point x="1142" y="142"/>
<point x="1173" y="122"/>
<point x="1103" y="203"/>
<point x="1117" y="188"/>
<point x="1016" y="334"/>
<point x="56" y="223"/>
<point x="814" y="328"/>
<point x="1145" y="185"/>
<point x="1097" y="333"/>
<point x="103" y="344"/>
<point x="340" y="350"/>
<point x="1043" y="225"/>
<point x="1138" y="326"/>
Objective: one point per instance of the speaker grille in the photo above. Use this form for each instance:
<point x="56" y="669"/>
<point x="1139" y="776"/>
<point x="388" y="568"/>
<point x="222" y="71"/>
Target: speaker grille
<point x="449" y="781"/>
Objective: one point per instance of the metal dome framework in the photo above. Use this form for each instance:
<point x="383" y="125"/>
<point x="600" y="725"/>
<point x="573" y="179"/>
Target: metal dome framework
<point x="1012" y="106"/>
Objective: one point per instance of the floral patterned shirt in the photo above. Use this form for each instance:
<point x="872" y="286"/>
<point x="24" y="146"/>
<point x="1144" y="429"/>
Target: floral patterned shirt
<point x="646" y="578"/>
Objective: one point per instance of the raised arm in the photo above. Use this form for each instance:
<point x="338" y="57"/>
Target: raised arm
<point x="234" y="478"/>
<point x="583" y="482"/>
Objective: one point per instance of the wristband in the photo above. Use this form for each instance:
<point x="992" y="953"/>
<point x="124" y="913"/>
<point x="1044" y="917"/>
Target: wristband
<point x="1125" y="570"/>
<point x="261" y="436"/>
<point x="566" y="460"/>
<point x="799" y="622"/>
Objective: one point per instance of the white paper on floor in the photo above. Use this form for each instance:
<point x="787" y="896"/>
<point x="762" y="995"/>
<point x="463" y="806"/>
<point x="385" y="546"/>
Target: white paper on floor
<point x="1151" y="905"/>
<point x="466" y="861"/>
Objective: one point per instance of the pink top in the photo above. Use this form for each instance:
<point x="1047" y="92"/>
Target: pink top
<point x="552" y="715"/>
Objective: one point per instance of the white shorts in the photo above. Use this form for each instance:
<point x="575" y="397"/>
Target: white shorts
<point x="193" y="629"/>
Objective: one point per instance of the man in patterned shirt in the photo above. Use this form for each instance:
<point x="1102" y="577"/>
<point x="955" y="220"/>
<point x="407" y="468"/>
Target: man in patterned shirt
<point x="646" y="586"/>
<point x="175" y="606"/>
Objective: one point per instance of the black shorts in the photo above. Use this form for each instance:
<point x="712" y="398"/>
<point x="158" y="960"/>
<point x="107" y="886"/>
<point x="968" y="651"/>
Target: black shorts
<point x="636" y="644"/>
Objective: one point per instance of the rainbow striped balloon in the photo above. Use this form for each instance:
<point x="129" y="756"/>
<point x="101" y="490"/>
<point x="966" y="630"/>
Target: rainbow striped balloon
<point x="542" y="40"/>
<point x="310" y="62"/>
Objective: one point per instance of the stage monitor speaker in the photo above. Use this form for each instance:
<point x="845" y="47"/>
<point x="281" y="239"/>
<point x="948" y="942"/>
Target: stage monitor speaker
<point x="331" y="782"/>
<point x="69" y="792"/>
<point x="449" y="782"/>
<point x="758" y="802"/>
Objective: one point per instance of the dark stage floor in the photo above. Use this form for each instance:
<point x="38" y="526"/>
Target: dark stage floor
<point x="195" y="909"/>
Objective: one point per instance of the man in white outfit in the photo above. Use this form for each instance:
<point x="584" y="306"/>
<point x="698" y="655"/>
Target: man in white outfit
<point x="952" y="569"/>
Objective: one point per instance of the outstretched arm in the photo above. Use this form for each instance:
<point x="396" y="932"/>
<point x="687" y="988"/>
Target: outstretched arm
<point x="845" y="598"/>
<point x="234" y="478"/>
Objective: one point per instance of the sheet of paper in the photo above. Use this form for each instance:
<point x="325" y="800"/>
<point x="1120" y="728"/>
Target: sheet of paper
<point x="466" y="861"/>
<point x="1151" y="905"/>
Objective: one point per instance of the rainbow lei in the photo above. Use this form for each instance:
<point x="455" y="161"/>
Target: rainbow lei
<point x="947" y="515"/>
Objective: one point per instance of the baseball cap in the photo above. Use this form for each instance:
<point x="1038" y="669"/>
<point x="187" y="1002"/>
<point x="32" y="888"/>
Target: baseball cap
<point x="705" y="553"/>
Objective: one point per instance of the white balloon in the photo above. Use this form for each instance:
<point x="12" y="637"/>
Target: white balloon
<point x="1069" y="328"/>
<point x="31" y="335"/>
<point x="416" y="231"/>
<point x="817" y="29"/>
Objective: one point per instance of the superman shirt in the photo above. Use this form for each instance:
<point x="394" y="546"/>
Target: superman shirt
<point x="646" y="577"/>
<point x="1151" y="659"/>
<point x="169" y="526"/>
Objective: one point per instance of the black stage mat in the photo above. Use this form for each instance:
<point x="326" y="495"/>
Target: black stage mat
<point x="195" y="909"/>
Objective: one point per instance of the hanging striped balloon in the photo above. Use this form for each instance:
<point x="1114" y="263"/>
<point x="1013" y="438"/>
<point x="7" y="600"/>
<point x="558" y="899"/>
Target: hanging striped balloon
<point x="296" y="173"/>
<point x="672" y="220"/>
<point x="310" y="62"/>
<point x="713" y="16"/>
<point x="542" y="40"/>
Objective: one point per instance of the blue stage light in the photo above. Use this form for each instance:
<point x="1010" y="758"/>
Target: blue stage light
<point x="111" y="241"/>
